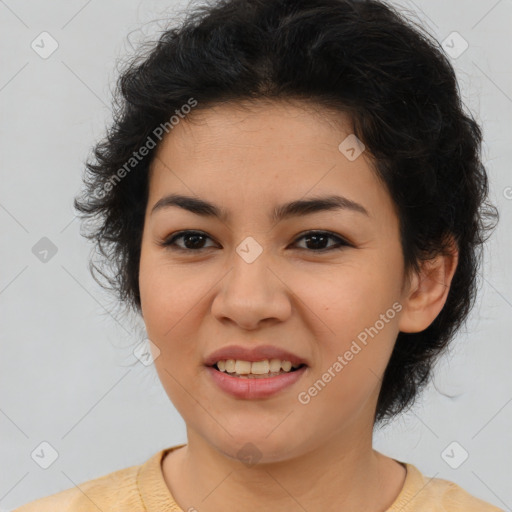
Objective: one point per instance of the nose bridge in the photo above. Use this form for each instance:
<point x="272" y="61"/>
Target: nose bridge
<point x="250" y="292"/>
<point x="250" y="278"/>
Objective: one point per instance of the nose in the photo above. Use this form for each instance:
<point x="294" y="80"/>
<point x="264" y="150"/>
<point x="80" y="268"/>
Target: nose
<point x="252" y="294"/>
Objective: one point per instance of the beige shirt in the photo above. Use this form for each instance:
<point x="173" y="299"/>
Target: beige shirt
<point x="142" y="488"/>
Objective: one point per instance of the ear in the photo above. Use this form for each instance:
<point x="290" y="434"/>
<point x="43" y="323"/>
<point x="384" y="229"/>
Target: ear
<point x="428" y="290"/>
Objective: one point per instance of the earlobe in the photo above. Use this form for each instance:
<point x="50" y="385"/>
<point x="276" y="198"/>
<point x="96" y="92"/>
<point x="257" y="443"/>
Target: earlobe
<point x="428" y="291"/>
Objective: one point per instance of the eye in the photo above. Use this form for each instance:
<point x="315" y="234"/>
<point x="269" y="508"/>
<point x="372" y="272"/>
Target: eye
<point x="194" y="241"/>
<point x="318" y="239"/>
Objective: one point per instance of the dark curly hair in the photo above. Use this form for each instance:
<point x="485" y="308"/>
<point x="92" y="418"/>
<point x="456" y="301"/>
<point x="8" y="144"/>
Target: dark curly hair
<point x="358" y="57"/>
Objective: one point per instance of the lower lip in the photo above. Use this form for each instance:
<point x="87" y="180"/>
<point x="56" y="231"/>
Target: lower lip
<point x="246" y="388"/>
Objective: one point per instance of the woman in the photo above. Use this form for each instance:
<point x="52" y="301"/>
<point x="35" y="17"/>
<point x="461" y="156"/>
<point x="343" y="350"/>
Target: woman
<point x="291" y="196"/>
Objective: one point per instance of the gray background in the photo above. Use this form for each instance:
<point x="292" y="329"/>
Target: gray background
<point x="68" y="374"/>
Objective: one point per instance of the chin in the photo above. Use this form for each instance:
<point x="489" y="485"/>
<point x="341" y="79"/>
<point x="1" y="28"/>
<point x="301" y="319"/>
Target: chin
<point x="260" y="448"/>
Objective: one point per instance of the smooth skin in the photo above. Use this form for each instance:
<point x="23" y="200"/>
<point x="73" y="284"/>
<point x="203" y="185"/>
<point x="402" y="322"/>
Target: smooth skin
<point x="247" y="160"/>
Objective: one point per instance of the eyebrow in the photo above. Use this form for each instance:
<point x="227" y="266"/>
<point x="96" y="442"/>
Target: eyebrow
<point x="300" y="207"/>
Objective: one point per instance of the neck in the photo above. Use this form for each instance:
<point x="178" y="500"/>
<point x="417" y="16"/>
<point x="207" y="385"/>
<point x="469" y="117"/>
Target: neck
<point x="343" y="472"/>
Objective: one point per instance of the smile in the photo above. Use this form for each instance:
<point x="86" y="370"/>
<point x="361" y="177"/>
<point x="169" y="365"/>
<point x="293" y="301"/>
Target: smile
<point x="256" y="369"/>
<point x="254" y="386"/>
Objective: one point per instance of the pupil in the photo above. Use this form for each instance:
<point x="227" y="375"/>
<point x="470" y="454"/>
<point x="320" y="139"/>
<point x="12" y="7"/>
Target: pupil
<point x="195" y="238"/>
<point x="316" y="237"/>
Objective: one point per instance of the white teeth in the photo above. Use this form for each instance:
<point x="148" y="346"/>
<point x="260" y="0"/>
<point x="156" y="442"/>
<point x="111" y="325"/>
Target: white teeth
<point x="242" y="367"/>
<point x="286" y="365"/>
<point x="259" y="367"/>
<point x="263" y="367"/>
<point x="275" y="365"/>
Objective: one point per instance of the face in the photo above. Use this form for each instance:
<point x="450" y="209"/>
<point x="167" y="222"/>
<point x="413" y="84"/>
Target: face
<point x="324" y="284"/>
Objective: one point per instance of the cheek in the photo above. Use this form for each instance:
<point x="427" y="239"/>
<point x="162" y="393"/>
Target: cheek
<point x="168" y="300"/>
<point x="349" y="372"/>
<point x="173" y="302"/>
<point x="357" y="311"/>
<point x="167" y="295"/>
<point x="349" y="300"/>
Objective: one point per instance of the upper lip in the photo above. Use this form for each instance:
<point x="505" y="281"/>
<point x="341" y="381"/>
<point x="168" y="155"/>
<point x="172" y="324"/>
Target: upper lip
<point x="252" y="354"/>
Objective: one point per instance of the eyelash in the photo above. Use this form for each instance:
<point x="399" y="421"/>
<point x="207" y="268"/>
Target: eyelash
<point x="169" y="243"/>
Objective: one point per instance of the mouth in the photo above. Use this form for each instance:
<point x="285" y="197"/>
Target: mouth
<point x="254" y="386"/>
<point x="257" y="372"/>
<point x="263" y="369"/>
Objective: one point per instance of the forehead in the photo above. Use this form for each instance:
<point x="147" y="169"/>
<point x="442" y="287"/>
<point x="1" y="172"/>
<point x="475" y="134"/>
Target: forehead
<point x="267" y="124"/>
<point x="268" y="151"/>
